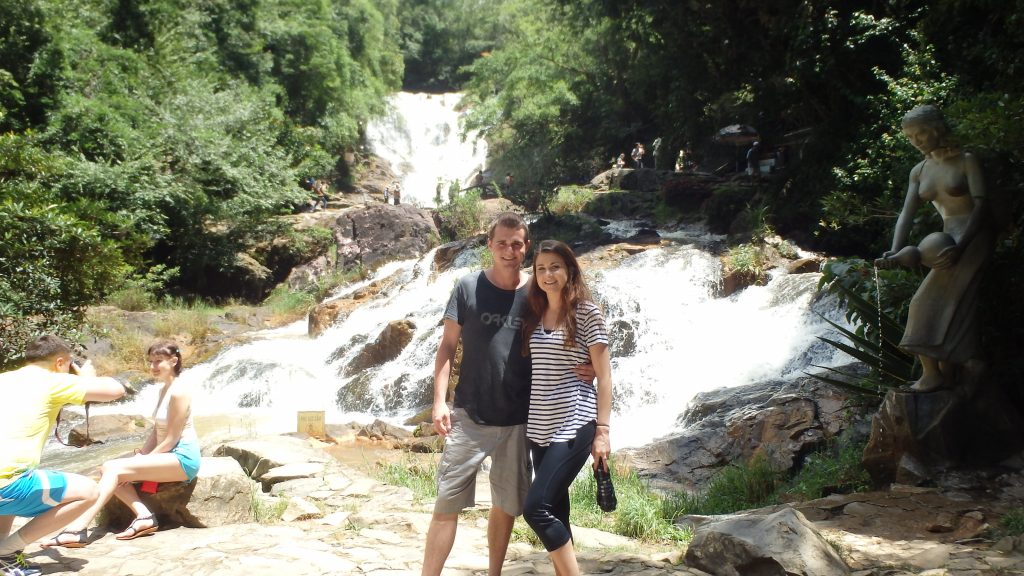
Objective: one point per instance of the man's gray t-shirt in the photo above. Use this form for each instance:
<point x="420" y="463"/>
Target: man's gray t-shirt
<point x="494" y="378"/>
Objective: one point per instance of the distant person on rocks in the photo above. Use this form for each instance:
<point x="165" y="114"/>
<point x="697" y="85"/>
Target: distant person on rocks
<point x="387" y="194"/>
<point x="397" y="192"/>
<point x="620" y="162"/>
<point x="33" y="396"/>
<point x="491" y="400"/>
<point x="170" y="454"/>
<point x="569" y="418"/>
<point x="320" y="189"/>
<point x="638" y="155"/>
<point x="508" y="183"/>
<point x="754" y="159"/>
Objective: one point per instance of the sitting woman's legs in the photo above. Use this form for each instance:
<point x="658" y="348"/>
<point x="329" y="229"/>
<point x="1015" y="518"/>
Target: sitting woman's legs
<point x="163" y="467"/>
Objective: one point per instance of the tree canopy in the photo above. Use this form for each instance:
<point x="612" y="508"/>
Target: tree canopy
<point x="145" y="132"/>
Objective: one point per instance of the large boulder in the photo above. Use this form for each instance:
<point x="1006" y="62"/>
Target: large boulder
<point x="220" y="495"/>
<point x="392" y="340"/>
<point x="259" y="455"/>
<point x="379" y="233"/>
<point x="783" y="421"/>
<point x="780" y="544"/>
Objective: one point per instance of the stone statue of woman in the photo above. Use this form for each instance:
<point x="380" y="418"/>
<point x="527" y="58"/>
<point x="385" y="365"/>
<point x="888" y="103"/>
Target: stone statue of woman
<point x="942" y="323"/>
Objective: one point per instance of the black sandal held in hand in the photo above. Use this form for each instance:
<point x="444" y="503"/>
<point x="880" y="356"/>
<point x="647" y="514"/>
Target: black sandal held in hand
<point x="605" y="491"/>
<point x="137" y="532"/>
<point x="80" y="540"/>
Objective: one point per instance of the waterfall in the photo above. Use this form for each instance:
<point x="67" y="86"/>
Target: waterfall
<point x="422" y="139"/>
<point x="671" y="338"/>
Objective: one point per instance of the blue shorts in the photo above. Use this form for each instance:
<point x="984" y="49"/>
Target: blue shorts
<point x="32" y="493"/>
<point x="187" y="452"/>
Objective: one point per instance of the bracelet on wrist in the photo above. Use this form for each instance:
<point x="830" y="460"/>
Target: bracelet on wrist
<point x="603" y="425"/>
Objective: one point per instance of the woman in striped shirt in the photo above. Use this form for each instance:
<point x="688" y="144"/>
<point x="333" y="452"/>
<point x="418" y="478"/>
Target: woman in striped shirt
<point x="568" y="419"/>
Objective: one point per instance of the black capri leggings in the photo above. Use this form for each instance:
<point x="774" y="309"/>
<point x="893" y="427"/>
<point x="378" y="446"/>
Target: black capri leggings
<point x="555" y="467"/>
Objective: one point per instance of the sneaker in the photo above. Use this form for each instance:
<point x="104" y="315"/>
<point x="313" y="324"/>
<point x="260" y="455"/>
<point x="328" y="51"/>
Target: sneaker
<point x="15" y="565"/>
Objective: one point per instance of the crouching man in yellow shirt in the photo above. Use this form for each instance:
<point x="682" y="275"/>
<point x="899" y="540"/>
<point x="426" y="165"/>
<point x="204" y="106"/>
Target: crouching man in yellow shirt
<point x="30" y="399"/>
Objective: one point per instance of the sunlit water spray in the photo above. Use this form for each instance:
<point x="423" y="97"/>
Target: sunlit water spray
<point x="671" y="338"/>
<point x="421" y="137"/>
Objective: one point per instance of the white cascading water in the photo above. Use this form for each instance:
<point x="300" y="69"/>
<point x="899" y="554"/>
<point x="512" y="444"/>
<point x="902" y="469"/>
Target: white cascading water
<point x="672" y="338"/>
<point x="422" y="138"/>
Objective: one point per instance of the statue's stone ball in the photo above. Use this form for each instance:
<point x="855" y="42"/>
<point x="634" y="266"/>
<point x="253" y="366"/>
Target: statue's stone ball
<point x="932" y="245"/>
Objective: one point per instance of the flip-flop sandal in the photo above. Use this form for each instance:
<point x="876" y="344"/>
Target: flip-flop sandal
<point x="136" y="532"/>
<point x="80" y="541"/>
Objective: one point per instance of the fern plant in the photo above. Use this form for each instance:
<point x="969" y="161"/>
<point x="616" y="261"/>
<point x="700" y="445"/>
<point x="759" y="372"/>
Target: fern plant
<point x="874" y="341"/>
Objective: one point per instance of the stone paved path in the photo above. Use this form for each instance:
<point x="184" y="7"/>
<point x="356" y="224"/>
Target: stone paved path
<point x="373" y="529"/>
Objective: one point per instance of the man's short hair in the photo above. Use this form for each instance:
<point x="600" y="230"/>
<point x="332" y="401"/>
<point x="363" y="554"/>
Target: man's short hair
<point x="509" y="220"/>
<point x="46" y="347"/>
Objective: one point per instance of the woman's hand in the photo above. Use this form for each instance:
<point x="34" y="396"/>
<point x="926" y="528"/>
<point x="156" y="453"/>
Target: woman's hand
<point x="601" y="447"/>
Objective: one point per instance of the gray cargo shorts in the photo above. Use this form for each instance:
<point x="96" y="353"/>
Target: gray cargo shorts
<point x="464" y="451"/>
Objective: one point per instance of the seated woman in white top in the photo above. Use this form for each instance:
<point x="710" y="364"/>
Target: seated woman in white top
<point x="170" y="454"/>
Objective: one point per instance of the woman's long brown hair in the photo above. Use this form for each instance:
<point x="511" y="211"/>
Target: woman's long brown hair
<point x="574" y="292"/>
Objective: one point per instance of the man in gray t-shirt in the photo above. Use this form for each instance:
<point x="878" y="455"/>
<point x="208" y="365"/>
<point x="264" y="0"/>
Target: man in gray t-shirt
<point x="491" y="400"/>
<point x="493" y="366"/>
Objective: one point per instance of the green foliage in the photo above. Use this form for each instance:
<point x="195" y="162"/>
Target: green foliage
<point x="441" y="37"/>
<point x="749" y="258"/>
<point x="570" y="200"/>
<point x="414" y="474"/>
<point x="153" y="132"/>
<point x="735" y="487"/>
<point x="638" y="514"/>
<point x="460" y="218"/>
<point x="1013" y="522"/>
<point x="876" y="331"/>
<point x="836" y="468"/>
<point x="141" y="291"/>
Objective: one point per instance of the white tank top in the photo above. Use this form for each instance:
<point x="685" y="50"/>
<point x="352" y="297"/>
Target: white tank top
<point x="188" y="431"/>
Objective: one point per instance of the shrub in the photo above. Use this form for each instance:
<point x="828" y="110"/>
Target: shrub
<point x="460" y="218"/>
<point x="570" y="200"/>
<point x="735" y="487"/>
<point x="834" y="469"/>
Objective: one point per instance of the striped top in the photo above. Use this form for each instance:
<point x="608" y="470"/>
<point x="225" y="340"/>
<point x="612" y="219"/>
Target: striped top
<point x="559" y="402"/>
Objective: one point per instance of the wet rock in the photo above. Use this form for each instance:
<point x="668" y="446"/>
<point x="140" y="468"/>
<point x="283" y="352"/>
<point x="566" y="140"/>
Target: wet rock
<point x="780" y="420"/>
<point x="379" y="233"/>
<point x="107" y="427"/>
<point x="388" y="345"/>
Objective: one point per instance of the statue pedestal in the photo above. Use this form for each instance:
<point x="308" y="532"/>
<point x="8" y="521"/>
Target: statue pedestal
<point x="914" y="434"/>
<point x="917" y="429"/>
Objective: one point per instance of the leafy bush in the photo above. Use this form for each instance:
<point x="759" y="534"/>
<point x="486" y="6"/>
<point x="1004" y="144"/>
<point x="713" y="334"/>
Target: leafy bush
<point x="1013" y="522"/>
<point x="460" y="218"/>
<point x="834" y="469"/>
<point x="570" y="200"/>
<point x="734" y="487"/>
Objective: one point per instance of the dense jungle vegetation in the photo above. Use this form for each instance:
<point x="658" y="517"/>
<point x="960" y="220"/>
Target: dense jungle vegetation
<point x="148" y="141"/>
